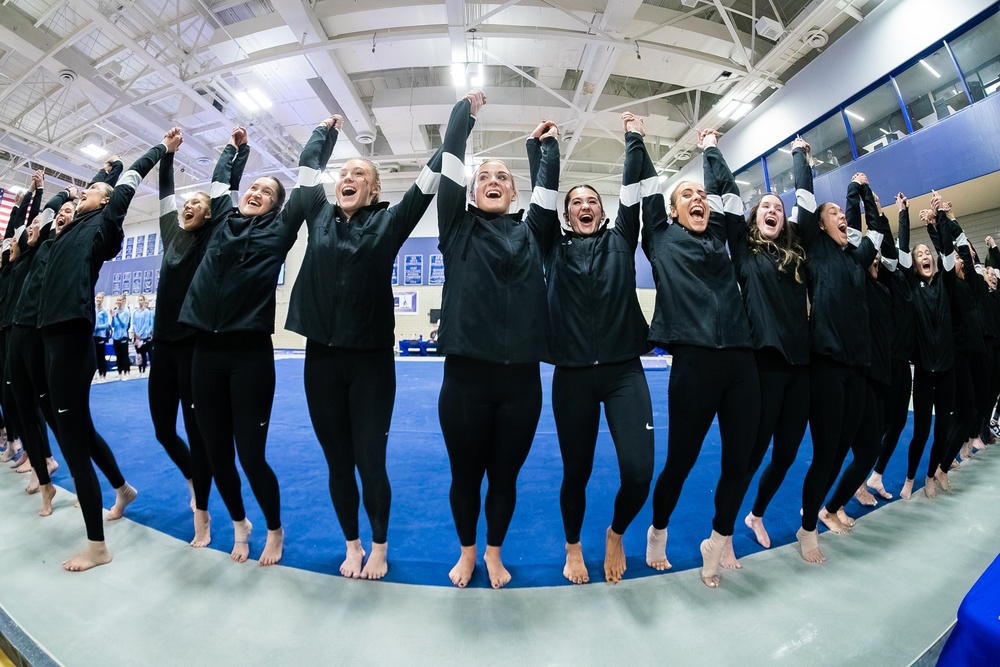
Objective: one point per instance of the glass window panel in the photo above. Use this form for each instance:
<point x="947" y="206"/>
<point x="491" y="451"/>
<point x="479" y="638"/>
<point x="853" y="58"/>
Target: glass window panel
<point x="931" y="89"/>
<point x="750" y="181"/>
<point x="829" y="145"/>
<point x="978" y="54"/>
<point x="876" y="119"/>
<point x="779" y="170"/>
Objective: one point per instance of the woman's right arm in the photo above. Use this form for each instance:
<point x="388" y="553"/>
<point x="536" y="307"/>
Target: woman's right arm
<point x="452" y="192"/>
<point x="804" y="215"/>
<point x="640" y="184"/>
<point x="311" y="195"/>
<point x="169" y="229"/>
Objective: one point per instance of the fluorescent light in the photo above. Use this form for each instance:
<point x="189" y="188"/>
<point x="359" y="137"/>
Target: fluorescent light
<point x="246" y="102"/>
<point x="94" y="151"/>
<point x="883" y="131"/>
<point x="739" y="182"/>
<point x="458" y="74"/>
<point x="854" y="115"/>
<point x="16" y="189"/>
<point x="259" y="97"/>
<point x="785" y="150"/>
<point x="929" y="68"/>
<point x="735" y="110"/>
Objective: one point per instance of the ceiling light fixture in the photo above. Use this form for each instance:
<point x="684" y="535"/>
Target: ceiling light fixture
<point x="260" y="98"/>
<point x="735" y="110"/>
<point x="785" y="150"/>
<point x="854" y="115"/>
<point x="458" y="74"/>
<point x="246" y="102"/>
<point x="883" y="130"/>
<point x="929" y="68"/>
<point x="476" y="73"/>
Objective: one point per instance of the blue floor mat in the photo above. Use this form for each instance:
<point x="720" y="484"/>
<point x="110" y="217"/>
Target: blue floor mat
<point x="422" y="542"/>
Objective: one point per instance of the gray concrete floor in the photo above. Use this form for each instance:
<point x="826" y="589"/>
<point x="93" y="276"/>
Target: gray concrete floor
<point x="888" y="591"/>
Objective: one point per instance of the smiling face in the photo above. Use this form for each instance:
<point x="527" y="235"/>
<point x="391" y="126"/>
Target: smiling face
<point x="770" y="217"/>
<point x="94" y="197"/>
<point x="494" y="188"/>
<point x="65" y="214"/>
<point x="99" y="299"/>
<point x="34" y="231"/>
<point x="358" y="186"/>
<point x="584" y="211"/>
<point x="119" y="302"/>
<point x="991" y="278"/>
<point x="196" y="211"/>
<point x="260" y="198"/>
<point x="833" y="221"/>
<point x="689" y="206"/>
<point x="923" y="262"/>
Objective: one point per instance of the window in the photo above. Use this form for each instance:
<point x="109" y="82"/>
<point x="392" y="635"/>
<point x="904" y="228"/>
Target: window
<point x="828" y="144"/>
<point x="876" y="119"/>
<point x="779" y="170"/>
<point x="978" y="54"/>
<point x="750" y="181"/>
<point x="931" y="89"/>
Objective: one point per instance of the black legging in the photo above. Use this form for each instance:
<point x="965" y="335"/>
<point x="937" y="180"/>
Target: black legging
<point x="170" y="385"/>
<point x="232" y="381"/>
<point x="100" y="354"/>
<point x="26" y="365"/>
<point x="705" y="382"/>
<point x="143" y="353"/>
<point x="350" y="394"/>
<point x="836" y="407"/>
<point x="865" y="446"/>
<point x="488" y="414"/>
<point x="784" y="414"/>
<point x="69" y="369"/>
<point x="930" y="390"/>
<point x="12" y="420"/>
<point x="577" y="394"/>
<point x="971" y="382"/>
<point x="122" y="360"/>
<point x="897" y="410"/>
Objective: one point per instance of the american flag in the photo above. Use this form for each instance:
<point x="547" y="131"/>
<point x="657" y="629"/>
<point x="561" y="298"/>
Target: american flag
<point x="6" y="206"/>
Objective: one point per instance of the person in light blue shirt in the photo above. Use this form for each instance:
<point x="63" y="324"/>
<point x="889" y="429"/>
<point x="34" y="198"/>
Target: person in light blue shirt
<point x="102" y="329"/>
<point x="121" y="320"/>
<point x="142" y="333"/>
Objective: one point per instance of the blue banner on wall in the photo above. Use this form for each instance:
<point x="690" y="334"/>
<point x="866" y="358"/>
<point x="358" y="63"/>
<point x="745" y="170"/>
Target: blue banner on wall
<point x="395" y="271"/>
<point x="151" y="244"/>
<point x="436" y="276"/>
<point x="129" y="242"/>
<point x="413" y="270"/>
<point x="140" y="245"/>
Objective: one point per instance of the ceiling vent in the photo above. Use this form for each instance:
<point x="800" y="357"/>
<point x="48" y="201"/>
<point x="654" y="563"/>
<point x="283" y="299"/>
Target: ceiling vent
<point x="768" y="28"/>
<point x="365" y="137"/>
<point x="682" y="155"/>
<point x="817" y="39"/>
<point x="67" y="77"/>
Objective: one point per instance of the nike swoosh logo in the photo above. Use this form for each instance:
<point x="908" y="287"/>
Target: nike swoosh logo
<point x="62" y="411"/>
<point x="42" y="395"/>
<point x="648" y="427"/>
<point x="263" y="423"/>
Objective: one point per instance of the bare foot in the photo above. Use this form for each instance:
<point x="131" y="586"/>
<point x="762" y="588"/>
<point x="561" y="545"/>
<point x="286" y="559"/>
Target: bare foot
<point x="614" y="557"/>
<point x="711" y="553"/>
<point x="202" y="529"/>
<point x="377" y="564"/>
<point x="48" y="493"/>
<point x="756" y="524"/>
<point x="24" y="466"/>
<point x="19" y="459"/>
<point x="942" y="479"/>
<point x="809" y="546"/>
<point x="8" y="453"/>
<point x="844" y="519"/>
<point x="353" y="562"/>
<point x="978" y="445"/>
<point x="575" y="569"/>
<point x="832" y="522"/>
<point x="96" y="554"/>
<point x="272" y="548"/>
<point x="194" y="505"/>
<point x="241" y="533"/>
<point x="656" y="549"/>
<point x="52" y="465"/>
<point x="907" y="490"/>
<point x="929" y="489"/>
<point x="498" y="574"/>
<point x="32" y="487"/>
<point x="875" y="484"/>
<point x="865" y="497"/>
<point x="124" y="495"/>
<point x="462" y="572"/>
<point x="728" y="559"/>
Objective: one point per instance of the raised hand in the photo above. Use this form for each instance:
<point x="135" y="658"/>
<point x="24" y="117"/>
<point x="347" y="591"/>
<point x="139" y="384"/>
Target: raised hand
<point x="336" y="121"/>
<point x="990" y="243"/>
<point x="708" y="138"/>
<point x="73" y="191"/>
<point x="477" y="99"/>
<point x="799" y="142"/>
<point x="173" y="139"/>
<point x="902" y="202"/>
<point x="543" y="128"/>
<point x="633" y="123"/>
<point x="37" y="180"/>
<point x="860" y="178"/>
